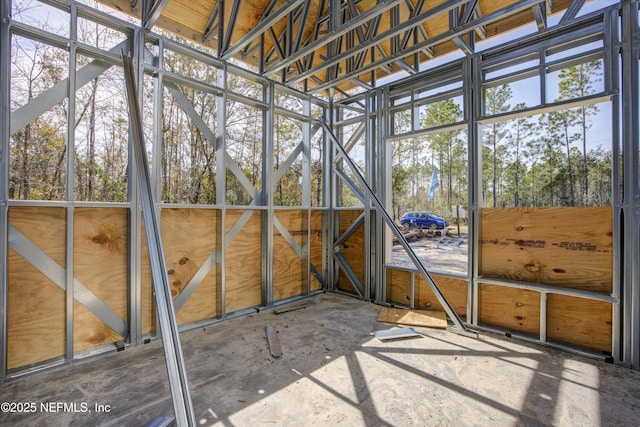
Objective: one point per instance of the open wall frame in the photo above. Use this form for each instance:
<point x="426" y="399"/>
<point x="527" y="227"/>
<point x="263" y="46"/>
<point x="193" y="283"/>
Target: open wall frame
<point x="256" y="207"/>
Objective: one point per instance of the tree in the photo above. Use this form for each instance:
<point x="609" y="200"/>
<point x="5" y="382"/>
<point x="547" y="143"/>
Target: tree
<point x="446" y="146"/>
<point x="577" y="82"/>
<point x="494" y="134"/>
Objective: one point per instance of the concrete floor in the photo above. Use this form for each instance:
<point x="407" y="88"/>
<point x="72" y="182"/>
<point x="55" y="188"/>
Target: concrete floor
<point x="335" y="372"/>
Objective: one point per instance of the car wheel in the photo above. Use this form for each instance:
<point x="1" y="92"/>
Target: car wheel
<point x="433" y="226"/>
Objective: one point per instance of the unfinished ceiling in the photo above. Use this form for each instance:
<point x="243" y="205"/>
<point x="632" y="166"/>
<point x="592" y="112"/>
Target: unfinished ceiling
<point x="303" y="44"/>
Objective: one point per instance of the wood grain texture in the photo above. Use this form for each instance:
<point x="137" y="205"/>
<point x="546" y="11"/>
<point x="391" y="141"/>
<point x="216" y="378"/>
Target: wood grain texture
<point x="398" y="286"/>
<point x="423" y="318"/>
<point x="510" y="308"/>
<point x="454" y="290"/>
<point x="188" y="239"/>
<point x="352" y="249"/>
<point x="35" y="304"/>
<point x="243" y="260"/>
<point x="565" y="247"/>
<point x="289" y="271"/>
<point x="316" y="253"/>
<point x="399" y="291"/>
<point x="579" y="321"/>
<point x="100" y="264"/>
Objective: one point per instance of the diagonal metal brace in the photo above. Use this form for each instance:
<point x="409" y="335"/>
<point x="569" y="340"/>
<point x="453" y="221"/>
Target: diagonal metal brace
<point x="176" y="371"/>
<point x="459" y="326"/>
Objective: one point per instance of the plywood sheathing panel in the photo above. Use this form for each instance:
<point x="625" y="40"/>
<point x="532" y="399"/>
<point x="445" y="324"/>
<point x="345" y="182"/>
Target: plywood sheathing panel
<point x="35" y="304"/>
<point x="423" y="318"/>
<point x="454" y="290"/>
<point x="510" y="308"/>
<point x="399" y="291"/>
<point x="100" y="264"/>
<point x="188" y="239"/>
<point x="579" y="321"/>
<point x="289" y="271"/>
<point x="317" y="254"/>
<point x="243" y="258"/>
<point x="352" y="249"/>
<point x="398" y="286"/>
<point x="569" y="247"/>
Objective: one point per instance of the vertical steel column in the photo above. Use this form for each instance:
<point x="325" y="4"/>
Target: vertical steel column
<point x="134" y="221"/>
<point x="327" y="220"/>
<point x="472" y="81"/>
<point x="612" y="83"/>
<point x="221" y="190"/>
<point x="332" y="185"/>
<point x="369" y="217"/>
<point x="158" y="106"/>
<point x="268" y="151"/>
<point x="176" y="370"/>
<point x="5" y="75"/>
<point x="386" y="161"/>
<point x="383" y="174"/>
<point x="70" y="184"/>
<point x="306" y="194"/>
<point x="631" y="202"/>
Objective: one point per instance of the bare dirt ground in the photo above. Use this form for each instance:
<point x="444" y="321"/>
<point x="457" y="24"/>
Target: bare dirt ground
<point x="436" y="254"/>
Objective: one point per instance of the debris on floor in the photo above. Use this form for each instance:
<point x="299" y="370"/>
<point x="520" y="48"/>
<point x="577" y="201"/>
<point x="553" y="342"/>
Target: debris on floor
<point x="274" y="342"/>
<point x="292" y="307"/>
<point x="449" y="243"/>
<point x="397" y="334"/>
<point x="424" y="318"/>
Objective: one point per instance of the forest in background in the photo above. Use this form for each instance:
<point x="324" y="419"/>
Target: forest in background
<point x="534" y="161"/>
<point x="540" y="160"/>
<point x="187" y="165"/>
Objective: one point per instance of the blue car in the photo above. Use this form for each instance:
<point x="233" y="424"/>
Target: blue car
<point x="424" y="220"/>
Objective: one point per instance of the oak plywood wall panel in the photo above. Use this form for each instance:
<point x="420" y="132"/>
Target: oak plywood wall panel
<point x="353" y="249"/>
<point x="399" y="291"/>
<point x="243" y="258"/>
<point x="100" y="264"/>
<point x="35" y="304"/>
<point x="289" y="271"/>
<point x="510" y="308"/>
<point x="566" y="247"/>
<point x="316" y="252"/>
<point x="398" y="286"/>
<point x="188" y="240"/>
<point x="453" y="289"/>
<point x="579" y="321"/>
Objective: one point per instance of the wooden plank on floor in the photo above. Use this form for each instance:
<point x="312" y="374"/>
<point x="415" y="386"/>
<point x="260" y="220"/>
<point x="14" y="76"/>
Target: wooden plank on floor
<point x="427" y="319"/>
<point x="274" y="343"/>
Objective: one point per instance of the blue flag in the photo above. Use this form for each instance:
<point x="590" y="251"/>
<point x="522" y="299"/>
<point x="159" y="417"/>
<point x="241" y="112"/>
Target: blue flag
<point x="434" y="186"/>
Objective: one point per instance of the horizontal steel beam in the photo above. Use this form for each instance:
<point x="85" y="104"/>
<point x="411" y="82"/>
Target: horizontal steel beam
<point x="448" y="35"/>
